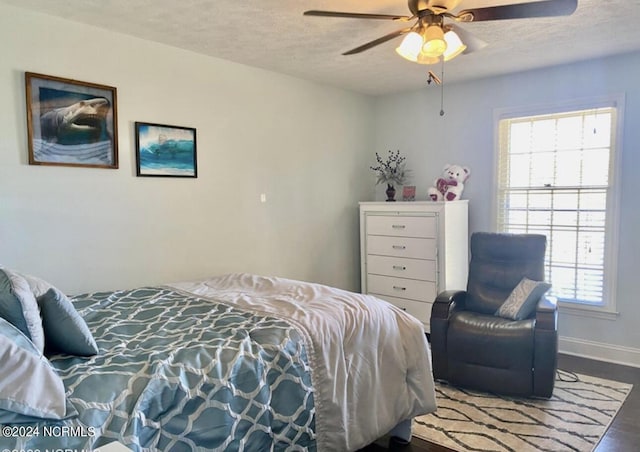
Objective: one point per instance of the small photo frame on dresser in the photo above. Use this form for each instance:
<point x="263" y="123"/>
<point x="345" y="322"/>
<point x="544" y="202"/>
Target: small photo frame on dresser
<point x="409" y="193"/>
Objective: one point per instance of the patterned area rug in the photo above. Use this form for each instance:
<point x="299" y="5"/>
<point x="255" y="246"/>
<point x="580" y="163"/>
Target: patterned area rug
<point x="574" y="419"/>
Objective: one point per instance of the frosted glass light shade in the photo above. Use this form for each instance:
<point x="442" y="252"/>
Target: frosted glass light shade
<point x="425" y="59"/>
<point x="454" y="45"/>
<point x="434" y="43"/>
<point x="410" y="46"/>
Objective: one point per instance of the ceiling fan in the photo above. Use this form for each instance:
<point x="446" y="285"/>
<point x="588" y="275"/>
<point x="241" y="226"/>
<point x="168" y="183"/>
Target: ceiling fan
<point x="433" y="38"/>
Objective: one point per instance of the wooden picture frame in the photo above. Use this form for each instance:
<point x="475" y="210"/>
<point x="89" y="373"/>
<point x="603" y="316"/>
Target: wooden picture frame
<point x="166" y="151"/>
<point x="71" y="123"/>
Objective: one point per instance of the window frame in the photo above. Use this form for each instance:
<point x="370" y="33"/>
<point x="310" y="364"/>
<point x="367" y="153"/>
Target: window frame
<point x="608" y="308"/>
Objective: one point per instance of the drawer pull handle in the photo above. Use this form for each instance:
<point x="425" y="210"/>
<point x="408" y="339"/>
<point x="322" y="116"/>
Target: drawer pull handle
<point x="398" y="226"/>
<point x="399" y="247"/>
<point x="399" y="288"/>
<point x="399" y="267"/>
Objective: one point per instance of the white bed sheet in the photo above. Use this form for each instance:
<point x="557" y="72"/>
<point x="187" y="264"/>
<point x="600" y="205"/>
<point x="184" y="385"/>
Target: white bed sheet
<point x="370" y="361"/>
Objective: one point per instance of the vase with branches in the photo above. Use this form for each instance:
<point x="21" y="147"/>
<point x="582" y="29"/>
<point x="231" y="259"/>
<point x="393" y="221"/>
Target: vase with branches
<point x="392" y="172"/>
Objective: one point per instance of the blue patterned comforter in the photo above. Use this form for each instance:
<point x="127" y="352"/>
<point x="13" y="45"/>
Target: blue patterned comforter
<point x="178" y="372"/>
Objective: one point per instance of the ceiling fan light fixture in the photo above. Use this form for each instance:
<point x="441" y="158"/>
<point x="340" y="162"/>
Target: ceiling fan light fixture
<point x="434" y="43"/>
<point x="427" y="41"/>
<point x="410" y="47"/>
<point x="455" y="46"/>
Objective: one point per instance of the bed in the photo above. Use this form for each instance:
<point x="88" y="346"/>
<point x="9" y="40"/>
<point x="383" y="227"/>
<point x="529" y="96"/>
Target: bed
<point x="234" y="362"/>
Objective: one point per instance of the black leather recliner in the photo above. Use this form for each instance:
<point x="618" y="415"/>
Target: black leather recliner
<point x="471" y="347"/>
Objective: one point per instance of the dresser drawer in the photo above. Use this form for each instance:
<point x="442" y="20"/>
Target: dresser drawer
<point x="401" y="226"/>
<point x="402" y="267"/>
<point x="402" y="288"/>
<point x="416" y="248"/>
<point x="420" y="310"/>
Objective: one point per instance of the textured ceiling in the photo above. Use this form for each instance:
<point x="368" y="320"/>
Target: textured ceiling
<point x="274" y="35"/>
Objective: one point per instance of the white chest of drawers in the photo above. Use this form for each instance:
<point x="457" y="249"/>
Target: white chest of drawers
<point x="411" y="251"/>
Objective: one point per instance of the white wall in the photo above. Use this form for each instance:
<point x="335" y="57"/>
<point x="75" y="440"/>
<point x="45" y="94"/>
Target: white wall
<point x="465" y="135"/>
<point x="304" y="145"/>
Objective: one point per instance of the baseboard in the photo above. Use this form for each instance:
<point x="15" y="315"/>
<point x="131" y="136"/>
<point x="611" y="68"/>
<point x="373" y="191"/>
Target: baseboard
<point x="616" y="354"/>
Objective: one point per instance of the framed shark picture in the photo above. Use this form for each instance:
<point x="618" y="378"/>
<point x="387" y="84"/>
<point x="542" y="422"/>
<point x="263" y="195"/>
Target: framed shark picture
<point x="71" y="123"/>
<point x="165" y="151"/>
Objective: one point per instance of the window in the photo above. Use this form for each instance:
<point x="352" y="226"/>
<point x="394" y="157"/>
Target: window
<point x="556" y="177"/>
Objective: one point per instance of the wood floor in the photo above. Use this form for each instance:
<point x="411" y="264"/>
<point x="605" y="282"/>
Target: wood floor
<point x="622" y="436"/>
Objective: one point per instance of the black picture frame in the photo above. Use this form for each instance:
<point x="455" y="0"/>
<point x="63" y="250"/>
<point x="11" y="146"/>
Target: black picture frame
<point x="165" y="151"/>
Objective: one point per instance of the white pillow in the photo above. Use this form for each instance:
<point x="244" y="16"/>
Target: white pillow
<point x="523" y="299"/>
<point x="31" y="389"/>
<point x="19" y="307"/>
<point x="37" y="285"/>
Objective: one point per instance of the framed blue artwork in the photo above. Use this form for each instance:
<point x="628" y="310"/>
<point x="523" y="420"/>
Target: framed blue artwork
<point x="165" y="151"/>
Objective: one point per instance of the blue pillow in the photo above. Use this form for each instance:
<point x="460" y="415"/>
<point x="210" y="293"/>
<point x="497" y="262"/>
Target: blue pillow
<point x="31" y="389"/>
<point x="19" y="307"/>
<point x="65" y="330"/>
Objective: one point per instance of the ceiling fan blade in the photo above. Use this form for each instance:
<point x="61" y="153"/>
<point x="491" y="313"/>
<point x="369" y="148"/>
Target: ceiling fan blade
<point x="472" y="42"/>
<point x="355" y="15"/>
<point x="378" y="41"/>
<point x="547" y="8"/>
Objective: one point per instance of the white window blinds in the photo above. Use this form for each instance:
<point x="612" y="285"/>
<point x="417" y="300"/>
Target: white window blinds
<point x="554" y="179"/>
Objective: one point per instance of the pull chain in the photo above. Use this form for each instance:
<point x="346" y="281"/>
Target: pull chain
<point x="442" y="90"/>
<point x="432" y="77"/>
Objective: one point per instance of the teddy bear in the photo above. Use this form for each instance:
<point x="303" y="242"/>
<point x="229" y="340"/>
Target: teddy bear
<point x="449" y="186"/>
